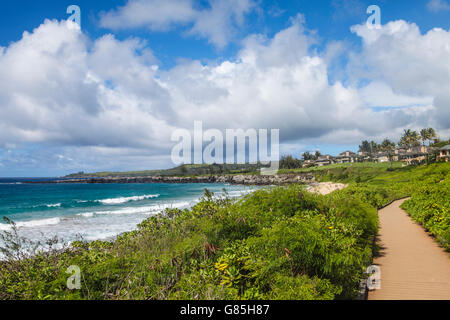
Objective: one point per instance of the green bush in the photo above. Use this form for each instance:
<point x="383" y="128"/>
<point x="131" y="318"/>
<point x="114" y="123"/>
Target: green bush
<point x="429" y="205"/>
<point x="265" y="246"/>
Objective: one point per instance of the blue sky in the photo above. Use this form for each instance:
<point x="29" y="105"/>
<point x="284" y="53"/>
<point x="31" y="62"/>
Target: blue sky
<point x="177" y="56"/>
<point x="331" y="19"/>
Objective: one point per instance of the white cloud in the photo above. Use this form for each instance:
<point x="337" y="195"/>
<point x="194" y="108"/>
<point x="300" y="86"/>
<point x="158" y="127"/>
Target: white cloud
<point x="273" y="83"/>
<point x="60" y="88"/>
<point x="411" y="63"/>
<point x="104" y="104"/>
<point x="154" y="14"/>
<point x="438" y="5"/>
<point x="217" y="23"/>
<point x="379" y="94"/>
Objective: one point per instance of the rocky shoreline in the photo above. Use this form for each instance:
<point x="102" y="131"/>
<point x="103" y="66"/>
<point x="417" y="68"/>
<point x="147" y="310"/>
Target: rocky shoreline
<point x="259" y="180"/>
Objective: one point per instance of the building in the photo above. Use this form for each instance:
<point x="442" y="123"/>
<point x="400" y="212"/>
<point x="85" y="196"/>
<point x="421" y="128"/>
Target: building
<point x="308" y="163"/>
<point x="419" y="150"/>
<point x="346" y="157"/>
<point x="324" y="160"/>
<point x="413" y="157"/>
<point x="364" y="157"/>
<point x="382" y="157"/>
<point x="409" y="156"/>
<point x="444" y="154"/>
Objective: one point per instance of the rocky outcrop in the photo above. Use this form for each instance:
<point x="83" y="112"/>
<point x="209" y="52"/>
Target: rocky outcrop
<point x="231" y="179"/>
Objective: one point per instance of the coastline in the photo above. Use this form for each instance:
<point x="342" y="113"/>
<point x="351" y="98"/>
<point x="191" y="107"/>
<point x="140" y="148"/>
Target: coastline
<point x="132" y="210"/>
<point x="258" y="180"/>
<point x="104" y="218"/>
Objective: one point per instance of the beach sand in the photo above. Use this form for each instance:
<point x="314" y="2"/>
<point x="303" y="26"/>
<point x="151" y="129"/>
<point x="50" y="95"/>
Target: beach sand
<point x="326" y="187"/>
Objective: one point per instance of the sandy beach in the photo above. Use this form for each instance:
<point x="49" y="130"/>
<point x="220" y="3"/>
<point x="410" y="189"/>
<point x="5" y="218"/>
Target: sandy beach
<point x="326" y="187"/>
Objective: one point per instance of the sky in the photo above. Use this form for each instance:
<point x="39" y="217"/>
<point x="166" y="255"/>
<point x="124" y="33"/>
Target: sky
<point x="108" y="95"/>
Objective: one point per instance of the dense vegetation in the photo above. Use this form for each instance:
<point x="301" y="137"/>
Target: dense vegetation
<point x="289" y="162"/>
<point x="278" y="243"/>
<point x="283" y="243"/>
<point x="428" y="186"/>
<point x="429" y="206"/>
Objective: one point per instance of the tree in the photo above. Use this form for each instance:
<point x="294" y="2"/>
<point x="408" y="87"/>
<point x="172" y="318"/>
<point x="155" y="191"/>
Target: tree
<point x="374" y="147"/>
<point x="409" y="139"/>
<point x="388" y="146"/>
<point x="289" y="162"/>
<point x="365" y="147"/>
<point x="414" y="139"/>
<point x="317" y="155"/>
<point x="425" y="135"/>
<point x="307" y="156"/>
<point x="432" y="135"/>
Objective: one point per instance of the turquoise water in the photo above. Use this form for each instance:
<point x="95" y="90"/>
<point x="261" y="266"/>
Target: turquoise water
<point x="93" y="211"/>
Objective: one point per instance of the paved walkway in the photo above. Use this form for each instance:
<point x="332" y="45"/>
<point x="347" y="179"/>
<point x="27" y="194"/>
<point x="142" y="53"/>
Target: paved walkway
<point x="413" y="266"/>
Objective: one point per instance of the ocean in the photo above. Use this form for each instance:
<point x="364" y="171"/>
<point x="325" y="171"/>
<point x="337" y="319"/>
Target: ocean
<point x="93" y="211"/>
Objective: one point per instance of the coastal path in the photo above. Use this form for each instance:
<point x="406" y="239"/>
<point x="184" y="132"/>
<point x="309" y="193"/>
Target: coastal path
<point x="412" y="264"/>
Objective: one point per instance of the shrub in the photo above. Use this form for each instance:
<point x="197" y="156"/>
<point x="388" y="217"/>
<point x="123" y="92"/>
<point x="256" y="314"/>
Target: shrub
<point x="429" y="205"/>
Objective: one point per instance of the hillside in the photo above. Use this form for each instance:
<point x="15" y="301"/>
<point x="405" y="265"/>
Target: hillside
<point x="184" y="170"/>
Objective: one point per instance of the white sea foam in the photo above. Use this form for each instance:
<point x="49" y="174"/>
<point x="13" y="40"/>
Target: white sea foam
<point x="140" y="210"/>
<point x="120" y="200"/>
<point x="4" y="227"/>
<point x="86" y="215"/>
<point x="53" y="205"/>
<point x="96" y="224"/>
<point x="31" y="224"/>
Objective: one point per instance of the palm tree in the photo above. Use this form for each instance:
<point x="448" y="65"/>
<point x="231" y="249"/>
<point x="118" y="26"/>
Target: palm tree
<point x="415" y="139"/>
<point x="388" y="146"/>
<point x="431" y="134"/>
<point x="410" y="139"/>
<point x="374" y="147"/>
<point x="307" y="156"/>
<point x="365" y="146"/>
<point x="425" y="135"/>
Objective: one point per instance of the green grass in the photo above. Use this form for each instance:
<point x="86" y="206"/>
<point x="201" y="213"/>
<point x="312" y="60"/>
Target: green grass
<point x="376" y="165"/>
<point x="204" y="169"/>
